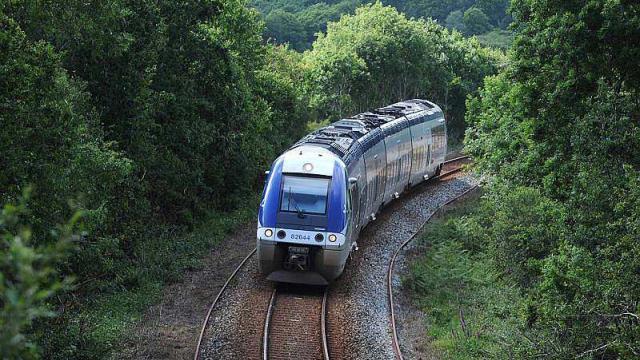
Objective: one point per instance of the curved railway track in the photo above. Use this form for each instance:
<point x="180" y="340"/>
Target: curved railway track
<point x="217" y="299"/>
<point x="297" y="305"/>
<point x="396" y="345"/>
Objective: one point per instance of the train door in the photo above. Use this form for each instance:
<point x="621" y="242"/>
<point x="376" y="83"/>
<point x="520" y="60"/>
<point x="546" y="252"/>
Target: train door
<point x="429" y="146"/>
<point x="358" y="193"/>
<point x="362" y="198"/>
<point x="439" y="131"/>
<point x="404" y="152"/>
<point x="392" y="141"/>
<point x="421" y="137"/>
<point x="375" y="165"/>
<point x="352" y="229"/>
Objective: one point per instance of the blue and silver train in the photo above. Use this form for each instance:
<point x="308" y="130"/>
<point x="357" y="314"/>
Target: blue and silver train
<point x="325" y="189"/>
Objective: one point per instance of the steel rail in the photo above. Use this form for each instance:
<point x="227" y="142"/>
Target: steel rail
<point x="324" y="301"/>
<point x="453" y="171"/>
<point x="394" y="339"/>
<point x="464" y="157"/>
<point x="323" y="324"/>
<point x="267" y="323"/>
<point x="215" y="302"/>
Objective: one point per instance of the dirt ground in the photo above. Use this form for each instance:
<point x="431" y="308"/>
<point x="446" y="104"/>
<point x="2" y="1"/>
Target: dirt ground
<point x="170" y="329"/>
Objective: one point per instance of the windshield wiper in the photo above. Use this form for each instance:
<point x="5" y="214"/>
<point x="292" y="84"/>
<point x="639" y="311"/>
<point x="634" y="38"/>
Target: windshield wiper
<point x="301" y="213"/>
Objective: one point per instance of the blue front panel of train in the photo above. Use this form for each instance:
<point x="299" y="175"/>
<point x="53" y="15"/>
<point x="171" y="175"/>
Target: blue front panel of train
<point x="271" y="197"/>
<point x="337" y="200"/>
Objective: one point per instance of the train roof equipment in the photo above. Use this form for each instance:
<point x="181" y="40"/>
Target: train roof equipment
<point x="349" y="138"/>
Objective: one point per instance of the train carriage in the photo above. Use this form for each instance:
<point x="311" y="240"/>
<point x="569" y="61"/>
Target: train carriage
<point x="325" y="189"/>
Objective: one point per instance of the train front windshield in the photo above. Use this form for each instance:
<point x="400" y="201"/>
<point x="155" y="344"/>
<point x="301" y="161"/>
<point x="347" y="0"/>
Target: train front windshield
<point x="304" y="195"/>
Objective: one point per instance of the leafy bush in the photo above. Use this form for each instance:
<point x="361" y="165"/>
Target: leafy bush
<point x="475" y="21"/>
<point x="29" y="276"/>
<point x="472" y="309"/>
<point x="502" y="277"/>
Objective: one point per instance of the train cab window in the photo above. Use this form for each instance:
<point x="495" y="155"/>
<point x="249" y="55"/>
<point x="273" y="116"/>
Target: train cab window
<point x="304" y="195"/>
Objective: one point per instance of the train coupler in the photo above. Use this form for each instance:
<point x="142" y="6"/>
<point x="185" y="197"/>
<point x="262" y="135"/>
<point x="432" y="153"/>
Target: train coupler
<point x="297" y="259"/>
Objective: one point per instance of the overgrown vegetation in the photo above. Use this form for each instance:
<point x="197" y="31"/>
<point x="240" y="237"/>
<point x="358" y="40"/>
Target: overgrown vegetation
<point x="563" y="120"/>
<point x="558" y="132"/>
<point x="472" y="309"/>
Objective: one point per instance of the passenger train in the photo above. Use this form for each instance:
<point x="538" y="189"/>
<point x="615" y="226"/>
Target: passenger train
<point x="324" y="190"/>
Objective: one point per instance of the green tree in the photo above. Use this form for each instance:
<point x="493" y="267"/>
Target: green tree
<point x="287" y="20"/>
<point x="563" y="119"/>
<point x="496" y="10"/>
<point x="285" y="28"/>
<point x="455" y="20"/>
<point x="435" y="9"/>
<point x="475" y="21"/>
<point x="378" y="56"/>
<point x="50" y="137"/>
<point x="174" y="90"/>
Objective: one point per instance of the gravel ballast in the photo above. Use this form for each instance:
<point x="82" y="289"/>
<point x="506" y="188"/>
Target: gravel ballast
<point x="358" y="323"/>
<point x="360" y="296"/>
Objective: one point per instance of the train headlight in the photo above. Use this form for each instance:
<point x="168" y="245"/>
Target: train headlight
<point x="307" y="167"/>
<point x="268" y="233"/>
<point x="333" y="238"/>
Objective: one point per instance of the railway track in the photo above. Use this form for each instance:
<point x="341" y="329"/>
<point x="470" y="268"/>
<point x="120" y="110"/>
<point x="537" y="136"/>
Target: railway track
<point x="295" y="325"/>
<point x="295" y="321"/>
<point x="396" y="344"/>
<point x="217" y="299"/>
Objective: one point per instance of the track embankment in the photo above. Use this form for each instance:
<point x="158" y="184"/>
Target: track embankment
<point x="358" y="303"/>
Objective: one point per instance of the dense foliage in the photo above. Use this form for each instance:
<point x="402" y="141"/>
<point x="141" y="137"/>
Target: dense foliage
<point x="149" y="116"/>
<point x="298" y="22"/>
<point x="166" y="113"/>
<point x="378" y="56"/>
<point x="562" y="125"/>
<point x="471" y="307"/>
<point x="139" y="113"/>
<point x="50" y="136"/>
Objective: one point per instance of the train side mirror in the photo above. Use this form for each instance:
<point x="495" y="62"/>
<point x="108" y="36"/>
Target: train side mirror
<point x="267" y="172"/>
<point x="353" y="181"/>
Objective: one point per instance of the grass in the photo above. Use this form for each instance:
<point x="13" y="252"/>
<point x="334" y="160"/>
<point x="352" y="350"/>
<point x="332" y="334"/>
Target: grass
<point x="97" y="326"/>
<point x="472" y="313"/>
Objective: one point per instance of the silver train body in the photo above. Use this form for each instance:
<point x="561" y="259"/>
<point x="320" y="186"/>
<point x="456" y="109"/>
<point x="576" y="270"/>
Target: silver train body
<point x="322" y="192"/>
